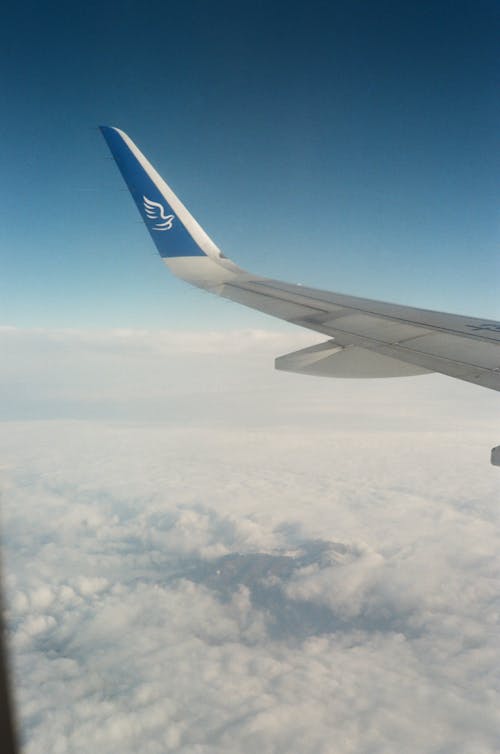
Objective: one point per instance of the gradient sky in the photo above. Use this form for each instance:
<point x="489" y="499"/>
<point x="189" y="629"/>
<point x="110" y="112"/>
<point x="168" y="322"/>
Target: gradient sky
<point x="348" y="145"/>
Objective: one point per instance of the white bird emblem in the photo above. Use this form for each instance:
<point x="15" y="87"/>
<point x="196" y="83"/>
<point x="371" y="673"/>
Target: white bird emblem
<point x="155" y="211"/>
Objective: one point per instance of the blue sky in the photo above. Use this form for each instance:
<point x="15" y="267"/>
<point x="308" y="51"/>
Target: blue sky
<point x="346" y="145"/>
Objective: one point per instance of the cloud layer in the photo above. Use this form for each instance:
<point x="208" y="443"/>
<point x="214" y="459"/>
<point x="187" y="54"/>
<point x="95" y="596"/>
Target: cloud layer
<point x="315" y="571"/>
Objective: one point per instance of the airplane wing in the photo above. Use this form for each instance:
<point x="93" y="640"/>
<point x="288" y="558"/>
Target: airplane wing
<point x="365" y="338"/>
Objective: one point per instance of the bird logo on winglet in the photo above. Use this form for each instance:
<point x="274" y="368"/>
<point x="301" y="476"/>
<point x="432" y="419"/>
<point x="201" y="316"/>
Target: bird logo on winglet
<point x="155" y="211"/>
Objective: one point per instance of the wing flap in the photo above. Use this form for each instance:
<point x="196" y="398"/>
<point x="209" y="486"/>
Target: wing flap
<point x="448" y="364"/>
<point x="456" y="348"/>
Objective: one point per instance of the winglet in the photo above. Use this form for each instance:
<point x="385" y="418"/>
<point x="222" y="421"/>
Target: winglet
<point x="174" y="231"/>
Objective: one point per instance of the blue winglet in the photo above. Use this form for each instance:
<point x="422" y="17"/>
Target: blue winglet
<point x="159" y="207"/>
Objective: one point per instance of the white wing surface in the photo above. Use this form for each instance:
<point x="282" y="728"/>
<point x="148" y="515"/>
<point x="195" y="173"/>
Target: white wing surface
<point x="365" y="338"/>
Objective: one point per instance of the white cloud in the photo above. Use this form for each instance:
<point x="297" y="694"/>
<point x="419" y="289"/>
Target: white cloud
<point x="300" y="566"/>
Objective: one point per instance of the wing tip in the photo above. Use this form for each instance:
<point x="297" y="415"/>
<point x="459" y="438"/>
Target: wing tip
<point x="109" y="130"/>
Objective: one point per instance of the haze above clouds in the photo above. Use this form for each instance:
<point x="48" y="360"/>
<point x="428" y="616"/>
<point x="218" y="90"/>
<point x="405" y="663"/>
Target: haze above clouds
<point x="224" y="558"/>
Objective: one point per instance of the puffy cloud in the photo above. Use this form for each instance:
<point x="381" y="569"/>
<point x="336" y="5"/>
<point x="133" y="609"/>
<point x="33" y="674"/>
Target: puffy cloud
<point x="315" y="571"/>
